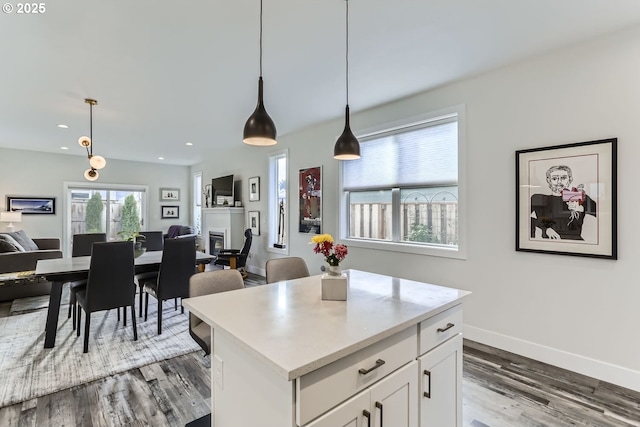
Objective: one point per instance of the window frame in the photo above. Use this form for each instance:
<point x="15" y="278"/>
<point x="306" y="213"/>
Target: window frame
<point x="66" y="219"/>
<point x="406" y="247"/>
<point x="273" y="205"/>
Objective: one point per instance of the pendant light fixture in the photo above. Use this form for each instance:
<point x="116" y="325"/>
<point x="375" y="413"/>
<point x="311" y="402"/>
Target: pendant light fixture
<point x="260" y="129"/>
<point x="347" y="146"/>
<point x="95" y="162"/>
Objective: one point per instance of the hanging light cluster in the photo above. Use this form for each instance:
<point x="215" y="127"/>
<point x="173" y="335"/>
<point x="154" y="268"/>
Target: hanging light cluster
<point x="347" y="146"/>
<point x="260" y="129"/>
<point x="95" y="162"/>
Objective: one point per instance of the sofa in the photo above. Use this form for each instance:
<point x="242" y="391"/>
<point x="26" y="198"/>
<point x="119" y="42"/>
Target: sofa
<point x="23" y="257"/>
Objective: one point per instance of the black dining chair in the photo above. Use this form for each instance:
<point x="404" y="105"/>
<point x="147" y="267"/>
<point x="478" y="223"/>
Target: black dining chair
<point x="153" y="240"/>
<point x="109" y="285"/>
<point x="81" y="245"/>
<point x="172" y="281"/>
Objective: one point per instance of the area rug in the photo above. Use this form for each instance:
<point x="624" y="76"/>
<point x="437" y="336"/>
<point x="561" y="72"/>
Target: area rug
<point x="29" y="370"/>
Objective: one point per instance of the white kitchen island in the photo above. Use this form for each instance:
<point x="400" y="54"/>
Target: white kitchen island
<point x="283" y="357"/>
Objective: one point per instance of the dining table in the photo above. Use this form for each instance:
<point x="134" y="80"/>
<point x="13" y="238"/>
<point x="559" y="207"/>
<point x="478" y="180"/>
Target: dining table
<point x="62" y="270"/>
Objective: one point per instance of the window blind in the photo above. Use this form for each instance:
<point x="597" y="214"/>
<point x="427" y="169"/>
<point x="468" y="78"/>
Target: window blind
<point x="415" y="156"/>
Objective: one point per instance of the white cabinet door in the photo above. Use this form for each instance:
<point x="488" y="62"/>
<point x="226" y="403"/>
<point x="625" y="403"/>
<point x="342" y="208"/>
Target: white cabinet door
<point x="394" y="401"/>
<point x="349" y="414"/>
<point x="441" y="385"/>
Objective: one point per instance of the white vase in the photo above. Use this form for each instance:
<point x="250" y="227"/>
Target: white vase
<point x="335" y="285"/>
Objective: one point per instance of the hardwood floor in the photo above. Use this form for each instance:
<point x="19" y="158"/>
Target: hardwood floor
<point x="500" y="389"/>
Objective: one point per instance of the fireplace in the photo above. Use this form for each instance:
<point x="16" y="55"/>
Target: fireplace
<point x="216" y="241"/>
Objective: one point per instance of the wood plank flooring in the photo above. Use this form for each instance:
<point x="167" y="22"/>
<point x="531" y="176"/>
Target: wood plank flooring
<point x="500" y="389"/>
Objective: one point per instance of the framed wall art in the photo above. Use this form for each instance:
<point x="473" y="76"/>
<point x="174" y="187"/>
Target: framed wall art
<point x="254" y="222"/>
<point x="169" y="194"/>
<point x="254" y="189"/>
<point x="170" y="212"/>
<point x="32" y="205"/>
<point x="566" y="199"/>
<point x="310" y="195"/>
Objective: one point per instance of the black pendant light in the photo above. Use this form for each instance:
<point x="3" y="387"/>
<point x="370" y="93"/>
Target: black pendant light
<point x="260" y="129"/>
<point x="347" y="146"/>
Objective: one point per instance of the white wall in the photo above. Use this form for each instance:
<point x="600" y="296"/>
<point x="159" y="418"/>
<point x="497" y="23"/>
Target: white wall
<point x="577" y="313"/>
<point x="29" y="173"/>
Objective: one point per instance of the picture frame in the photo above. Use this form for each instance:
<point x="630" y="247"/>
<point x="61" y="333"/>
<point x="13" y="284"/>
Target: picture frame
<point x="254" y="222"/>
<point x="169" y="194"/>
<point x="310" y="200"/>
<point x="29" y="205"/>
<point x="254" y="189"/>
<point x="566" y="199"/>
<point x="170" y="212"/>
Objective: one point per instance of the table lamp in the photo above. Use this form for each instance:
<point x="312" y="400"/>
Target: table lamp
<point x="10" y="217"/>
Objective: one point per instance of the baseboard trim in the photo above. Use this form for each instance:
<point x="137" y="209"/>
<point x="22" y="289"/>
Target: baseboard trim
<point x="603" y="371"/>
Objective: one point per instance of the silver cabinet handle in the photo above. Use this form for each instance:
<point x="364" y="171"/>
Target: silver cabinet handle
<point x="446" y="328"/>
<point x="427" y="394"/>
<point x="379" y="363"/>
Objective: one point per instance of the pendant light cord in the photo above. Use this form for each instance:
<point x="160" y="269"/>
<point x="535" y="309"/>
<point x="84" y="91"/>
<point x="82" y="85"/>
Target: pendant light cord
<point x="347" y="50"/>
<point x="90" y="129"/>
<point x="260" y="38"/>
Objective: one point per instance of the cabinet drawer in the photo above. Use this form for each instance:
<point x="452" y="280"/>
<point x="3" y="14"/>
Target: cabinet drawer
<point x="439" y="328"/>
<point x="326" y="387"/>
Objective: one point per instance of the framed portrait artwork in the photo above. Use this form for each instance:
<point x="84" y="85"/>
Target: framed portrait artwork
<point x="170" y="212"/>
<point x="254" y="189"/>
<point x="254" y="222"/>
<point x="310" y="196"/>
<point x="32" y="205"/>
<point x="566" y="199"/>
<point x="169" y="194"/>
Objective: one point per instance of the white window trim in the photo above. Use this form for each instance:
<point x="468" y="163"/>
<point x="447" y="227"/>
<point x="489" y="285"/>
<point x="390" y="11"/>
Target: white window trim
<point x="274" y="209"/>
<point x="440" y="251"/>
<point x="66" y="220"/>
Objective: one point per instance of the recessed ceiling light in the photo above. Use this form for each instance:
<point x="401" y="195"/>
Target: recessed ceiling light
<point x="189" y="144"/>
<point x="160" y="158"/>
<point x="61" y="126"/>
<point x="64" y="148"/>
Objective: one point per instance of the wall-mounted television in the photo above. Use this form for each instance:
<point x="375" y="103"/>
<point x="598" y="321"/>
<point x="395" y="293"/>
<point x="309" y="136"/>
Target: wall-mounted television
<point x="222" y="191"/>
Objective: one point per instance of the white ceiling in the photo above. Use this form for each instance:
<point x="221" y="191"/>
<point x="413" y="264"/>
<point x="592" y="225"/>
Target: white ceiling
<point x="167" y="73"/>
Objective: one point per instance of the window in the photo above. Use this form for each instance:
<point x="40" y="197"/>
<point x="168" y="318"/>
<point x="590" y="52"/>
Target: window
<point x="197" y="202"/>
<point x="99" y="208"/>
<point x="404" y="193"/>
<point x="278" y="206"/>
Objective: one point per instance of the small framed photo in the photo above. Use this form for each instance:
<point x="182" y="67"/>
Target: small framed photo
<point x="254" y="189"/>
<point x="566" y="199"/>
<point x="32" y="205"/>
<point x="170" y="212"/>
<point x="169" y="194"/>
<point x="254" y="222"/>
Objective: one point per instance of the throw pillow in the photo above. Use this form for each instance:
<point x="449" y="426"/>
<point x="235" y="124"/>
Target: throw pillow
<point x="24" y="240"/>
<point x="5" y="247"/>
<point x="8" y="238"/>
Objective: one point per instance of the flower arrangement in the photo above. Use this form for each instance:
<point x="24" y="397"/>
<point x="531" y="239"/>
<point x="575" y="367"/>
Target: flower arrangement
<point x="333" y="254"/>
